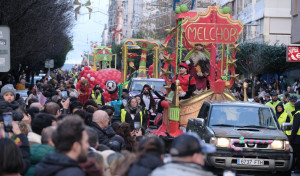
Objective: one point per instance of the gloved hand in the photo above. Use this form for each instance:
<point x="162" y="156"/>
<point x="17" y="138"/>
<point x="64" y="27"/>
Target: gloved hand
<point x="182" y="94"/>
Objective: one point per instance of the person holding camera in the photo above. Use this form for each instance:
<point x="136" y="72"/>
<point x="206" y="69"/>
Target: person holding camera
<point x="97" y="96"/>
<point x="134" y="113"/>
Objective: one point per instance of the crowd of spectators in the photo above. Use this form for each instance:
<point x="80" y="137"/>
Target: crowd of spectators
<point x="52" y="133"/>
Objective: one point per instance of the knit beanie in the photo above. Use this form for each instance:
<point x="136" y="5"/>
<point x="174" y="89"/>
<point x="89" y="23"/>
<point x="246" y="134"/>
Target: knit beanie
<point x="8" y="88"/>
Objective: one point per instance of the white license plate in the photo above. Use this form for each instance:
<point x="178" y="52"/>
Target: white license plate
<point x="254" y="162"/>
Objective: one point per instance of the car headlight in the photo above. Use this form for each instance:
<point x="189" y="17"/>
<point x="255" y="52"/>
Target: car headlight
<point x="287" y="145"/>
<point x="220" y="142"/>
<point x="276" y="144"/>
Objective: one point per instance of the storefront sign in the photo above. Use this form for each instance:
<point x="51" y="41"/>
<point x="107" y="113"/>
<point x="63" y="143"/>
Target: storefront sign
<point x="293" y="53"/>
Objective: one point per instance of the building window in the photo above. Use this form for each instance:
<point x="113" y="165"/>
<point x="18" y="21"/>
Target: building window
<point x="295" y="7"/>
<point x="247" y="2"/>
<point x="239" y="5"/>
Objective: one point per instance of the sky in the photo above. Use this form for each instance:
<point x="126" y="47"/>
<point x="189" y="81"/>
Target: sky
<point x="86" y="30"/>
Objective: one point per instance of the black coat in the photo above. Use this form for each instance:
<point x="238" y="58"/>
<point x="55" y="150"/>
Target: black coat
<point x="152" y="101"/>
<point x="294" y="138"/>
<point x="10" y="107"/>
<point x="59" y="165"/>
<point x="108" y="137"/>
<point x="25" y="151"/>
<point x="160" y="109"/>
<point x="137" y="118"/>
<point x="145" y="165"/>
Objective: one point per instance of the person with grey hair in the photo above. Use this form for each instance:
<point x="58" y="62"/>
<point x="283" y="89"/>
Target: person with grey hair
<point x="39" y="151"/>
<point x="106" y="134"/>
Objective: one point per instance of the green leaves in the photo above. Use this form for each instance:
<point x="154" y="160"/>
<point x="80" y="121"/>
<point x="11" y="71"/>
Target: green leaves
<point x="260" y="58"/>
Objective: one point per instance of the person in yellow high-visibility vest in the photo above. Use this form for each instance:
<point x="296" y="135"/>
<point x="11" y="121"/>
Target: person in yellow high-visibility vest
<point x="133" y="113"/>
<point x="295" y="137"/>
<point x="289" y="107"/>
<point x="274" y="102"/>
<point x="97" y="96"/>
<point x="282" y="116"/>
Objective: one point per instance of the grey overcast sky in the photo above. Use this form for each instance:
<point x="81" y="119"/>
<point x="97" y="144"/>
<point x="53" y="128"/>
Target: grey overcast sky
<point x="86" y="30"/>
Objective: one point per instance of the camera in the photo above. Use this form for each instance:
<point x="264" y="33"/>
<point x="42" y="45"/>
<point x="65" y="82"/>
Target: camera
<point x="7" y="121"/>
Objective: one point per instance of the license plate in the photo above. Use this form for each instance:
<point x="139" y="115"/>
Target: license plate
<point x="254" y="162"/>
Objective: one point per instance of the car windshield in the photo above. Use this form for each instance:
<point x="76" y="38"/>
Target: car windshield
<point x="242" y="117"/>
<point x="137" y="85"/>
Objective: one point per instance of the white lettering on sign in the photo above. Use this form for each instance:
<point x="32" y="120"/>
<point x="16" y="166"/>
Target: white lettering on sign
<point x="2" y="42"/>
<point x="1" y="35"/>
<point x="298" y="55"/>
<point x="2" y="61"/>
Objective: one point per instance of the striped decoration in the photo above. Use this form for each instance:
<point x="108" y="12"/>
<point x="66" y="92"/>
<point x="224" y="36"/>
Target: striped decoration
<point x="250" y="141"/>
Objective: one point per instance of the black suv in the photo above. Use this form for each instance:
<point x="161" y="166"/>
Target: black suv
<point x="247" y="136"/>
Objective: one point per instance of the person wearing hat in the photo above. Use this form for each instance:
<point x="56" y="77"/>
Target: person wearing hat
<point x="274" y="102"/>
<point x="188" y="157"/>
<point x="8" y="103"/>
<point x="187" y="82"/>
<point x="267" y="98"/>
<point x="290" y="106"/>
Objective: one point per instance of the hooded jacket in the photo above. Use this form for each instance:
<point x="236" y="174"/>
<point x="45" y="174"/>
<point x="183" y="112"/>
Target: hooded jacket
<point x="37" y="153"/>
<point x="59" y="165"/>
<point x="282" y="116"/>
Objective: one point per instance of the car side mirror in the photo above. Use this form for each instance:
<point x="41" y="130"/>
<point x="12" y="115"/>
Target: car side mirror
<point x="286" y="126"/>
<point x="199" y="121"/>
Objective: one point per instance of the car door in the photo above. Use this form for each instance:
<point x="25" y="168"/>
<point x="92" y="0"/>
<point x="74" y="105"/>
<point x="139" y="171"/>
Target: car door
<point x="194" y="125"/>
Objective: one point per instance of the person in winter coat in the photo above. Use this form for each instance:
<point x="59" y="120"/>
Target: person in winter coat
<point x="134" y="113"/>
<point x="187" y="157"/>
<point x="124" y="131"/>
<point x="274" y="102"/>
<point x="97" y="95"/>
<point x="147" y="100"/>
<point x="151" y="152"/>
<point x="106" y="134"/>
<point x="39" y="151"/>
<point x="11" y="162"/>
<point x="10" y="153"/>
<point x="295" y="137"/>
<point x="8" y="103"/>
<point x="71" y="144"/>
<point x="282" y="116"/>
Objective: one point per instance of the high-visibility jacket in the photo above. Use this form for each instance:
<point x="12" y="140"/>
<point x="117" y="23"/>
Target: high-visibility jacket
<point x="282" y="119"/>
<point x="123" y="116"/>
<point x="289" y="108"/>
<point x="273" y="105"/>
<point x="298" y="133"/>
<point x="96" y="99"/>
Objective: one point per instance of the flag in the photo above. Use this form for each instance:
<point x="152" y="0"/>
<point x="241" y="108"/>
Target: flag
<point x="42" y="99"/>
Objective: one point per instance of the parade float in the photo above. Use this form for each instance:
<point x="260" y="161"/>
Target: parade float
<point x="209" y="41"/>
<point x="128" y="58"/>
<point x="101" y="58"/>
<point x="100" y="71"/>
